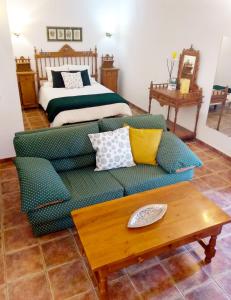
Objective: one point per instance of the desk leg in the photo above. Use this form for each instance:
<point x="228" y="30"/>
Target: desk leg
<point x="150" y="104"/>
<point x="197" y="117"/>
<point x="174" y="124"/>
<point x="168" y="112"/>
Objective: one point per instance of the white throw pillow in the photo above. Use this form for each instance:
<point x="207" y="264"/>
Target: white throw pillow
<point x="60" y="68"/>
<point x="72" y="80"/>
<point x="113" y="149"/>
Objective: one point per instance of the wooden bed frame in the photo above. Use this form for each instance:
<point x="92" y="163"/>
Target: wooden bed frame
<point x="219" y="97"/>
<point x="66" y="55"/>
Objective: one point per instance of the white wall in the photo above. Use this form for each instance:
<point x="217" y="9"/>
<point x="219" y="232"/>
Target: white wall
<point x="10" y="112"/>
<point x="31" y="17"/>
<point x="150" y="30"/>
<point x="223" y="73"/>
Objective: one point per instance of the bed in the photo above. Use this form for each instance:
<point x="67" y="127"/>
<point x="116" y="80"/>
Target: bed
<point x="67" y="106"/>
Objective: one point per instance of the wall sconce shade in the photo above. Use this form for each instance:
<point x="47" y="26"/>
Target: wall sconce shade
<point x="108" y="34"/>
<point x="17" y="34"/>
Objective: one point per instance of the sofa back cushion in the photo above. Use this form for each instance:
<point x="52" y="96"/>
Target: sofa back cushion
<point x="56" y="143"/>
<point x="71" y="163"/>
<point x="142" y="121"/>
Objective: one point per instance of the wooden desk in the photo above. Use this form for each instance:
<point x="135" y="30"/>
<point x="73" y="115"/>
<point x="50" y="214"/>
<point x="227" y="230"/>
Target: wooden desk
<point x="175" y="99"/>
<point x="110" y="246"/>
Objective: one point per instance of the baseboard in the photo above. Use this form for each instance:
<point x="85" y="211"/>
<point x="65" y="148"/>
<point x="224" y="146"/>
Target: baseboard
<point x="137" y="107"/>
<point x="213" y="149"/>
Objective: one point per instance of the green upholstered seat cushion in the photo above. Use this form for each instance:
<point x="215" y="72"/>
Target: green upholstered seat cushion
<point x="174" y="155"/>
<point x="40" y="184"/>
<point x="56" y="225"/>
<point x="145" y="177"/>
<point x="56" y="143"/>
<point x="86" y="187"/>
<point x="141" y="121"/>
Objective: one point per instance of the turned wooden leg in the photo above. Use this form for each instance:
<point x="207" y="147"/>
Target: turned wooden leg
<point x="197" y="117"/>
<point x="150" y="104"/>
<point x="174" y="124"/>
<point x="103" y="288"/>
<point x="168" y="113"/>
<point x="210" y="250"/>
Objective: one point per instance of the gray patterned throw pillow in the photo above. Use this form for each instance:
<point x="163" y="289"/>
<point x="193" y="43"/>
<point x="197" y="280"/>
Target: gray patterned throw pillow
<point x="113" y="149"/>
<point x="72" y="80"/>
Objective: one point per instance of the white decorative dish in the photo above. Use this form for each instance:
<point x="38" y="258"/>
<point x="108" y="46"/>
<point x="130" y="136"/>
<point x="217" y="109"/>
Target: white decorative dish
<point x="147" y="215"/>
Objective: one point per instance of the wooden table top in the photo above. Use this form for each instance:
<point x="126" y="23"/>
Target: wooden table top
<point x="176" y="95"/>
<point x="106" y="239"/>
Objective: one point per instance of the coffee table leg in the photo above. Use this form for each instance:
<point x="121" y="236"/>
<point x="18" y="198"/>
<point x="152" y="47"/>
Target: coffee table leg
<point x="210" y="250"/>
<point x="103" y="288"/>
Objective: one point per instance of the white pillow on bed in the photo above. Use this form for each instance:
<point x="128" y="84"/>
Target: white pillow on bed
<point x="72" y="80"/>
<point x="49" y="69"/>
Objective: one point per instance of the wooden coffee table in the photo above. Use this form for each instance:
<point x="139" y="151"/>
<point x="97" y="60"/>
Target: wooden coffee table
<point x="109" y="245"/>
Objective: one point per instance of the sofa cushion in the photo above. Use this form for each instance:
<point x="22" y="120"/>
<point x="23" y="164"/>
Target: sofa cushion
<point x="144" y="144"/>
<point x="56" y="143"/>
<point x="52" y="226"/>
<point x="142" y="121"/>
<point x="40" y="184"/>
<point x="86" y="187"/>
<point x="70" y="163"/>
<point x="113" y="149"/>
<point x="145" y="177"/>
<point x="174" y="155"/>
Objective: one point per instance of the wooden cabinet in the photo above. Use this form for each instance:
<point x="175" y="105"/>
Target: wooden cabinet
<point x="109" y="78"/>
<point x="27" y="90"/>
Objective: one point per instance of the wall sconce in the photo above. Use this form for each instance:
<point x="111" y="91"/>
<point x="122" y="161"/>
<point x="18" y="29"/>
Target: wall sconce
<point x="108" y="34"/>
<point x="17" y="34"/>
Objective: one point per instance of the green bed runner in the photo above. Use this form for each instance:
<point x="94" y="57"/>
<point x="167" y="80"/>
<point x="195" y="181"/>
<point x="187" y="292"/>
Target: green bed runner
<point x="58" y="105"/>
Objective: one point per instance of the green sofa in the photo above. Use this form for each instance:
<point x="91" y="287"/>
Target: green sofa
<point x="56" y="170"/>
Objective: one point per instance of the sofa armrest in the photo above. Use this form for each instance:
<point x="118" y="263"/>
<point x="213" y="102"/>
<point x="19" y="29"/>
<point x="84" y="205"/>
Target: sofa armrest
<point x="174" y="155"/>
<point x="40" y="184"/>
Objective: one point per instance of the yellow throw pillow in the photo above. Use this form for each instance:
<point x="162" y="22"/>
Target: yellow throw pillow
<point x="144" y="145"/>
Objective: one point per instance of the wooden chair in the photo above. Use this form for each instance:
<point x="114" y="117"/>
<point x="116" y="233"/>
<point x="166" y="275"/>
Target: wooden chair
<point x="219" y="97"/>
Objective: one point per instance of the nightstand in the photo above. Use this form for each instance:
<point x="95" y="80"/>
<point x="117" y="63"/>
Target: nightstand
<point x="27" y="90"/>
<point x="109" y="78"/>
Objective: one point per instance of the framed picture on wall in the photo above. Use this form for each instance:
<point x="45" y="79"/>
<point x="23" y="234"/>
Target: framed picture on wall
<point x="51" y="34"/>
<point x="60" y="34"/>
<point x="68" y="34"/>
<point x="56" y="34"/>
<point x="77" y="34"/>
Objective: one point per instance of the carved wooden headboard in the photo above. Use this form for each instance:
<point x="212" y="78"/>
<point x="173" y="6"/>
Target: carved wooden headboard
<point x="66" y="55"/>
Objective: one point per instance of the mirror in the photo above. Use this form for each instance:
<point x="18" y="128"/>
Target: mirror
<point x="188" y="66"/>
<point x="219" y="115"/>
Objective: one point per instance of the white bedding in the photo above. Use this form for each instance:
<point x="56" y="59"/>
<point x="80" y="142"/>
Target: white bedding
<point x="48" y="93"/>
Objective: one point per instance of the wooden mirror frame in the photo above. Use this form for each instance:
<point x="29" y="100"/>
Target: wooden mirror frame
<point x="190" y="52"/>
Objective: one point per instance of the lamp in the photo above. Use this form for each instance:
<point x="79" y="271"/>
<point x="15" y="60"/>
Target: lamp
<point x="108" y="34"/>
<point x="17" y="34"/>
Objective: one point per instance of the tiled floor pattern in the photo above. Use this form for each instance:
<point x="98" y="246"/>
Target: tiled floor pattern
<point x="213" y="117"/>
<point x="51" y="267"/>
<point x="35" y="119"/>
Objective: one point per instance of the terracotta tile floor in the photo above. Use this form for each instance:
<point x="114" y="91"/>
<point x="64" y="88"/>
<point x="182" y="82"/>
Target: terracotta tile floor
<point x="51" y="267"/>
